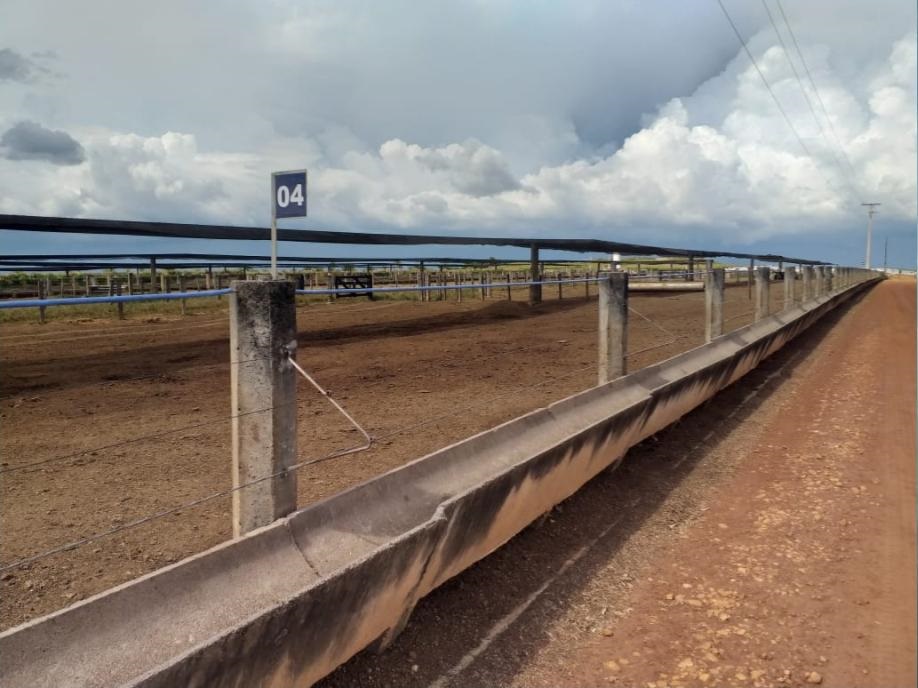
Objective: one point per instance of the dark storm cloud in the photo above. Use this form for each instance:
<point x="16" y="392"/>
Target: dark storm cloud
<point x="31" y="141"/>
<point x="16" y="67"/>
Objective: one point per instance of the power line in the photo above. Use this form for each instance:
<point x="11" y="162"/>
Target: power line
<point x="806" y="95"/>
<point x="771" y="91"/>
<point x="764" y="80"/>
<point x="809" y="76"/>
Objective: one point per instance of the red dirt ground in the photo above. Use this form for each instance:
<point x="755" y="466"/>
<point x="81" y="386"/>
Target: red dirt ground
<point x="766" y="540"/>
<point x="441" y="371"/>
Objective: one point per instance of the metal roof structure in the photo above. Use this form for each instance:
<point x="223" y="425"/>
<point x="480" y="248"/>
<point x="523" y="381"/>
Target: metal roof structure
<point x="174" y="230"/>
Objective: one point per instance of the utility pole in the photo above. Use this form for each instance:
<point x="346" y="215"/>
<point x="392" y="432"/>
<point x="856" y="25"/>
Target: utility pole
<point x="871" y="211"/>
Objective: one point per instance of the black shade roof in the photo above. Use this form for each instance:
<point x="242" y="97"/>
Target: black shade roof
<point x="175" y="230"/>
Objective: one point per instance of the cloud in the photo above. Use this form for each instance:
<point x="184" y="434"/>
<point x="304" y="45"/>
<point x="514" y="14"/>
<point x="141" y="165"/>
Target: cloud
<point x="16" y="67"/>
<point x="470" y="168"/>
<point x="31" y="141"/>
<point x="702" y="163"/>
<point x="719" y="161"/>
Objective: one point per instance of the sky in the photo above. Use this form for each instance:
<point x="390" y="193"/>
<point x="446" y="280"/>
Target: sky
<point x="634" y="121"/>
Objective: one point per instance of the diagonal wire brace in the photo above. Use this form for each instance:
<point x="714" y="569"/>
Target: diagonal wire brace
<point x="333" y="402"/>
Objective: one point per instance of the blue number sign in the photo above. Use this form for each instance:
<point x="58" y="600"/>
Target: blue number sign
<point x="289" y="189"/>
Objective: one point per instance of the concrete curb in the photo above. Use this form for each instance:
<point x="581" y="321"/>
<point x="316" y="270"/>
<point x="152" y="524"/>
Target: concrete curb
<point x="288" y="603"/>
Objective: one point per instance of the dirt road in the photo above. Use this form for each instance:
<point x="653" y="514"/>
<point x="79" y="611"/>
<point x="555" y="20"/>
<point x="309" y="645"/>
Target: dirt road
<point x="768" y="539"/>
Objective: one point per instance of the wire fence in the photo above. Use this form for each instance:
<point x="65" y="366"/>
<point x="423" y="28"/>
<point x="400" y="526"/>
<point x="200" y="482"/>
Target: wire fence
<point x="329" y="291"/>
<point x="369" y="439"/>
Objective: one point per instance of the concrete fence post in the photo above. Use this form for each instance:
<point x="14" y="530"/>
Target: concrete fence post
<point x="820" y="286"/>
<point x="262" y="339"/>
<point x="828" y="279"/>
<point x="807" y="283"/>
<point x="762" y="276"/>
<point x="790" y="277"/>
<point x="153" y="274"/>
<point x="613" y="326"/>
<point x="713" y="303"/>
<point x="535" y="290"/>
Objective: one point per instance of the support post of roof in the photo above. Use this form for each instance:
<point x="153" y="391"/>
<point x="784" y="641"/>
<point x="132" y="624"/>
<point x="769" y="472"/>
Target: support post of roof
<point x="41" y="309"/>
<point x="751" y="272"/>
<point x="121" y="303"/>
<point x="422" y="295"/>
<point x="535" y="290"/>
<point x="181" y="288"/>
